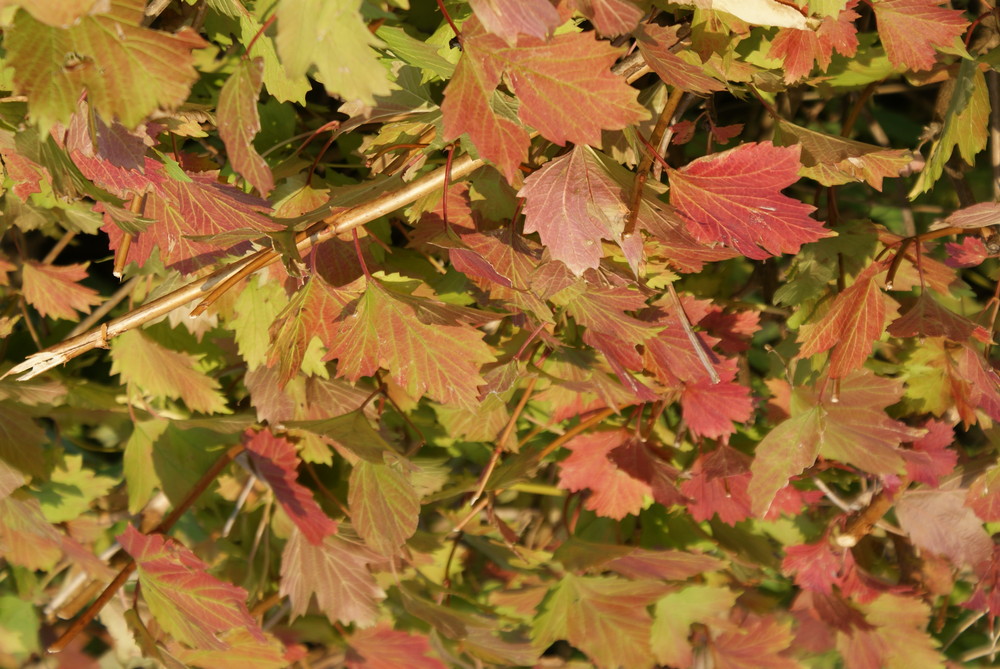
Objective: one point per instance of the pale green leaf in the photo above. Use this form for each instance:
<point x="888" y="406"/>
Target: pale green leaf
<point x="384" y="506"/>
<point x="71" y="489"/>
<point x="138" y="465"/>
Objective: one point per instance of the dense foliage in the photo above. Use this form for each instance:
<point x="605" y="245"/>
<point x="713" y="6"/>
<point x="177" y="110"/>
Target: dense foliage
<point x="385" y="333"/>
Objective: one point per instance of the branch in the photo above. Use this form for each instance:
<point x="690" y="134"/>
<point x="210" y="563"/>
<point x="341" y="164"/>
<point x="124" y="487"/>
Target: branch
<point x="344" y="221"/>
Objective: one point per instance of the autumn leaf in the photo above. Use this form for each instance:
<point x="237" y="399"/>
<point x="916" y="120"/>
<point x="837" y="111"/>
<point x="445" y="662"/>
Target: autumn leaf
<point x="718" y="485"/>
<point x="163" y="372"/>
<point x="277" y="462"/>
<point x="799" y="49"/>
<point x="108" y="53"/>
<point x="675" y="613"/>
<point x="511" y="18"/>
<point x="384" y="506"/>
<point x="658" y="46"/>
<point x="610" y="17"/>
<point x="938" y="521"/>
<point x="332" y="35"/>
<point x="911" y="29"/>
<point x="851" y="325"/>
<point x="27" y="539"/>
<point x="614" y="494"/>
<point x="604" y="616"/>
<point x="983" y="496"/>
<point x="239" y="121"/>
<point x="336" y="572"/>
<point x="898" y="638"/>
<point x="382" y="647"/>
<point x="929" y="458"/>
<point x="758" y="642"/>
<point x="242" y="651"/>
<point x="927" y="318"/>
<point x="54" y="290"/>
<point x="71" y="489"/>
<point x="191" y="605"/>
<point x="734" y="197"/>
<point x="573" y="202"/>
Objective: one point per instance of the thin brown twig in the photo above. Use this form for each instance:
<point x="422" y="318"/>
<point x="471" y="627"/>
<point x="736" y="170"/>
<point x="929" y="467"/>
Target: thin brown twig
<point x="502" y="439"/>
<point x="669" y="107"/>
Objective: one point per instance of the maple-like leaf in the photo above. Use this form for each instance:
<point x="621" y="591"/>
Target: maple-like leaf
<point x="104" y="54"/>
<point x="190" y="604"/>
<point x="277" y="461"/>
<point x="163" y="372"/>
<point x="573" y="203"/>
<point x="382" y="647"/>
<point x="930" y="458"/>
<point x="425" y="345"/>
<point x="336" y="572"/>
<point x="898" y="638"/>
<point x="614" y="494"/>
<point x="570" y="71"/>
<point x="242" y="651"/>
<point x="757" y="643"/>
<point x="610" y="17"/>
<point x="911" y="29"/>
<point x="511" y="18"/>
<point x="799" y="49"/>
<point x="710" y="409"/>
<point x="657" y="46"/>
<point x="332" y="35"/>
<point x="604" y="616"/>
<point x="854" y="321"/>
<point x="981" y="215"/>
<point x="718" y="485"/>
<point x="239" y="121"/>
<point x="384" y="505"/>
<point x="815" y="566"/>
<point x="984" y="495"/>
<point x="927" y="318"/>
<point x="640" y="461"/>
<point x="27" y="539"/>
<point x="832" y="160"/>
<point x="71" y="489"/>
<point x="677" y="611"/>
<point x="54" y="290"/>
<point x="938" y="521"/>
<point x="734" y="197"/>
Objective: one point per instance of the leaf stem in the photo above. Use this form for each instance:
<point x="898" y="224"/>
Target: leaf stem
<point x="647" y="159"/>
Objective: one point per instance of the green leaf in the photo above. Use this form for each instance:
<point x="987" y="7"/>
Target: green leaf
<point x="71" y="489"/>
<point x="674" y="615"/>
<point x="19" y="627"/>
<point x="258" y="305"/>
<point x="138" y="464"/>
<point x="21" y="440"/>
<point x="384" y="506"/>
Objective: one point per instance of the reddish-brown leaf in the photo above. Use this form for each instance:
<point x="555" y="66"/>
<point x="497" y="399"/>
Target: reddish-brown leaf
<point x="639" y="460"/>
<point x="277" y="461"/>
<point x="511" y="18"/>
<point x="718" y="485"/>
<point x="756" y="644"/>
<point x="382" y="647"/>
<point x="930" y="458"/>
<point x="911" y="29"/>
<point x="27" y="539"/>
<point x="854" y="321"/>
<point x="710" y="409"/>
<point x="898" y="637"/>
<point x="734" y="197"/>
<point x="239" y="122"/>
<point x="614" y="494"/>
<point x="799" y="49"/>
<point x="667" y="565"/>
<point x="54" y="290"/>
<point x="815" y="566"/>
<point x="656" y="44"/>
<point x="981" y="215"/>
<point x="984" y="495"/>
<point x="938" y="521"/>
<point x="190" y="604"/>
<point x="573" y="203"/>
<point x="610" y="17"/>
<point x="336" y="572"/>
<point x="927" y="318"/>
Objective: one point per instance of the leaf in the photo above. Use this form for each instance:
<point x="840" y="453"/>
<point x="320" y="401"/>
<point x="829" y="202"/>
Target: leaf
<point x="277" y="462"/>
<point x="911" y="29"/>
<point x="510" y="18"/>
<point x="54" y="289"/>
<point x="332" y="35"/>
<point x="336" y="572"/>
<point x="834" y="160"/>
<point x="614" y="494"/>
<point x="677" y="611"/>
<point x="610" y="17"/>
<point x="242" y="651"/>
<point x="384" y="506"/>
<point x="657" y="44"/>
<point x="815" y="566"/>
<point x="930" y="458"/>
<point x="734" y="197"/>
<point x="570" y="71"/>
<point x="21" y="440"/>
<point x="382" y="647"/>
<point x="762" y="12"/>
<point x="424" y="345"/>
<point x="927" y="318"/>
<point x="799" y="49"/>
<point x="27" y="539"/>
<point x="604" y="616"/>
<point x="162" y="372"/>
<point x="939" y="522"/>
<point x="898" y="640"/>
<point x="104" y="54"/>
<point x="573" y="202"/>
<point x="758" y="642"/>
<point x="138" y="465"/>
<point x="669" y="565"/>
<point x="718" y="485"/>
<point x="191" y="605"/>
<point x="983" y="496"/>
<point x="710" y="409"/>
<point x="981" y="215"/>
<point x="239" y="122"/>
<point x="854" y="321"/>
<point x="257" y="306"/>
<point x="965" y="124"/>
<point x="71" y="489"/>
<point x="59" y="13"/>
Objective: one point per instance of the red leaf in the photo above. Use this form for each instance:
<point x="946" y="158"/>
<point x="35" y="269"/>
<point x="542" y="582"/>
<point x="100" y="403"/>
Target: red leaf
<point x="550" y="79"/>
<point x="984" y="495"/>
<point x="276" y="460"/>
<point x="657" y="46"/>
<point x="986" y="596"/>
<point x="510" y="18"/>
<point x="239" y="121"/>
<point x="979" y="381"/>
<point x="930" y="458"/>
<point x="671" y="240"/>
<point x="637" y="459"/>
<point x="614" y="494"/>
<point x="927" y="318"/>
<point x="382" y="647"/>
<point x="610" y="17"/>
<point x="968" y="253"/>
<point x="54" y="289"/>
<point x="854" y="321"/>
<point x="336" y="572"/>
<point x="734" y="197"/>
<point x="756" y="644"/>
<point x="573" y="202"/>
<point x="911" y="29"/>
<point x="939" y="522"/>
<point x="190" y="604"/>
<point x="718" y="485"/>
<point x="815" y="566"/>
<point x="798" y="49"/>
<point x="710" y="409"/>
